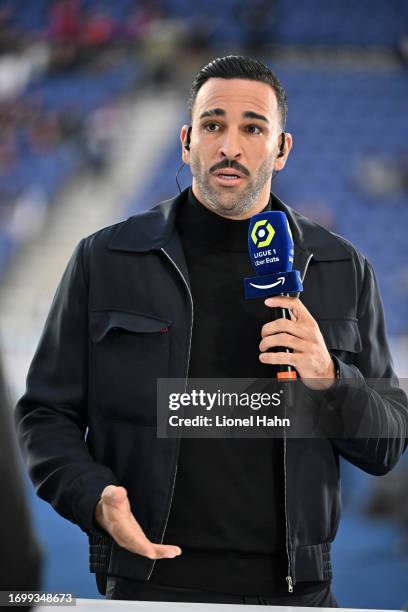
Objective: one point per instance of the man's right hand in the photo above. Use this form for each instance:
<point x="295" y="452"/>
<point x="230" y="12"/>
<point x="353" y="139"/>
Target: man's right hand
<point x="114" y="515"/>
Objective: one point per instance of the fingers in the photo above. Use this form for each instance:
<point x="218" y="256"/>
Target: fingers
<point x="293" y="304"/>
<point x="282" y="326"/>
<point x="283" y="339"/>
<point x="301" y="324"/>
<point x="130" y="535"/>
<point x="154" y="551"/>
<point x="133" y="539"/>
<point x="280" y="359"/>
<point x="166" y="551"/>
<point x="307" y="352"/>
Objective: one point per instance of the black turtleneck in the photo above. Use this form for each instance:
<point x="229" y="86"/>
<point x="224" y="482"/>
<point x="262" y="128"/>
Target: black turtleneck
<point x="227" y="512"/>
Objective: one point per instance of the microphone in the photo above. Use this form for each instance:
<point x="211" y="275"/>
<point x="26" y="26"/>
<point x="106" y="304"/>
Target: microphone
<point x="271" y="251"/>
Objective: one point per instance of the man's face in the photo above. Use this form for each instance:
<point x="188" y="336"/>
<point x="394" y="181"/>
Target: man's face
<point x="235" y="141"/>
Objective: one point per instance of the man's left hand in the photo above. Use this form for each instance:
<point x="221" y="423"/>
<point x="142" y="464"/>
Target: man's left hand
<point x="302" y="335"/>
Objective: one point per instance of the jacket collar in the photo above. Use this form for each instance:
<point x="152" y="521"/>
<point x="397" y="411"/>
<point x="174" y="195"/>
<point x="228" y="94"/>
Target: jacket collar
<point x="153" y="230"/>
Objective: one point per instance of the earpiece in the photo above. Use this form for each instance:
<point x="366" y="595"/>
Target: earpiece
<point x="282" y="145"/>
<point x="281" y="152"/>
<point x="187" y="145"/>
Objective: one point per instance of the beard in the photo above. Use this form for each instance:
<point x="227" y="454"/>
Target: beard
<point x="225" y="202"/>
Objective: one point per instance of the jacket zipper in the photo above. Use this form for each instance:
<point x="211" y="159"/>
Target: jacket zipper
<point x="185" y="387"/>
<point x="306" y="267"/>
<point x="289" y="577"/>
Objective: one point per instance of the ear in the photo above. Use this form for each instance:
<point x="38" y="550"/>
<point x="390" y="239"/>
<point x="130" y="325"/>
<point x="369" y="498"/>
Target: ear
<point x="280" y="162"/>
<point x="185" y="154"/>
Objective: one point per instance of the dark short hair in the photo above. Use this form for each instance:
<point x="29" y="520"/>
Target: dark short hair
<point x="240" y="67"/>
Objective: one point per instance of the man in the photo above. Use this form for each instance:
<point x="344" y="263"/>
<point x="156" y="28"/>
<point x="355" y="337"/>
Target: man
<point x="160" y="295"/>
<point x="20" y="557"/>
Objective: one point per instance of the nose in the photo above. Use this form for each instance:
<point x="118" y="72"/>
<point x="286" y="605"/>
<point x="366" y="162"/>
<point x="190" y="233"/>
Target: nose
<point x="230" y="146"/>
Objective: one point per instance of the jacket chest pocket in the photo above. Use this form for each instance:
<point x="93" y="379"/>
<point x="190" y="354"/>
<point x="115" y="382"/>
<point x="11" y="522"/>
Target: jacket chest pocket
<point x="342" y="337"/>
<point x="129" y="352"/>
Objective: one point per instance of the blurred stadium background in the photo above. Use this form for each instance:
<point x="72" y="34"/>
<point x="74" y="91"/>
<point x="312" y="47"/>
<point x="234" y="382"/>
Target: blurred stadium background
<point x="92" y="95"/>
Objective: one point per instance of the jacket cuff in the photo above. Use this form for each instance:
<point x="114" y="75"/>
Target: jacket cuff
<point x="346" y="376"/>
<point x="341" y="404"/>
<point x="345" y="373"/>
<point x="348" y="379"/>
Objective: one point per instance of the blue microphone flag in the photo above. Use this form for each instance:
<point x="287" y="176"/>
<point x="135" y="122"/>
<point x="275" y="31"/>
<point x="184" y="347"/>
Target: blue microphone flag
<point x="271" y="251"/>
<point x="270" y="243"/>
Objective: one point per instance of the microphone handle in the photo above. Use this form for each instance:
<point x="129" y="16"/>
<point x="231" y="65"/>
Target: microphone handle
<point x="285" y="372"/>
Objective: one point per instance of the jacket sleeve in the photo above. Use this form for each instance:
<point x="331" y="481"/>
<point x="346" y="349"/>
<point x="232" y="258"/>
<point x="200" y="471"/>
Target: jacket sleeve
<point x="20" y="556"/>
<point x="367" y="395"/>
<point x="51" y="416"/>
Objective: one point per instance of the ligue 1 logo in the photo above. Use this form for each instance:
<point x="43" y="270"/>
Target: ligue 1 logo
<point x="262" y="233"/>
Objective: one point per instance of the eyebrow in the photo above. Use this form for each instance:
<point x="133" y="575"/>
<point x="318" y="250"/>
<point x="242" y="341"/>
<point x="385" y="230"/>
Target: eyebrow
<point x="213" y="112"/>
<point x="220" y="112"/>
<point x="252" y="115"/>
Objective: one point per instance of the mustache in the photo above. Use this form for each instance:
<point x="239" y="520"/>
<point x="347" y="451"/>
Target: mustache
<point x="229" y="163"/>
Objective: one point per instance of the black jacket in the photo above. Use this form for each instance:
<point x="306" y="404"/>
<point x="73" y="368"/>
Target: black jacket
<point x="121" y="318"/>
<point x="20" y="555"/>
